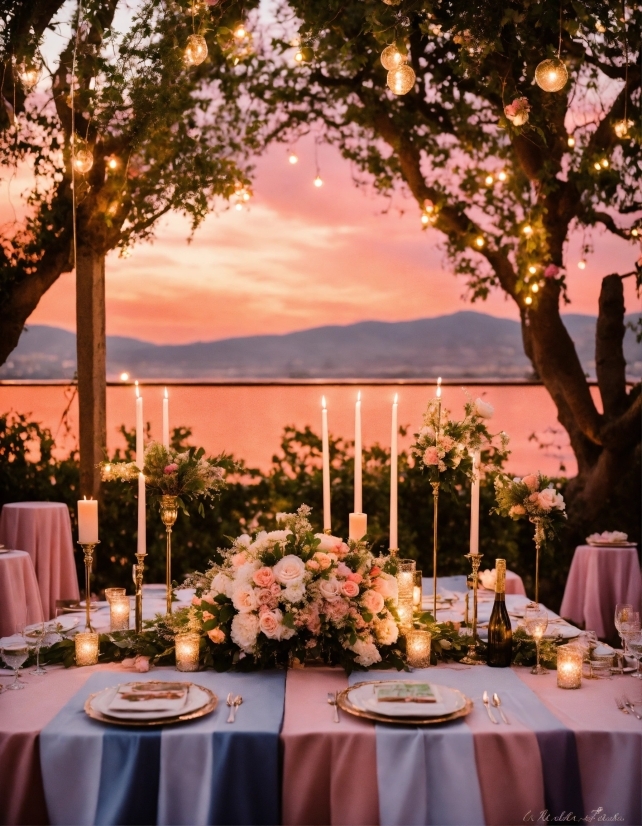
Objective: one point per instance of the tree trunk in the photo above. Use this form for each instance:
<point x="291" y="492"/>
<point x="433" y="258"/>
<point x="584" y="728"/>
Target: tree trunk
<point x="91" y="356"/>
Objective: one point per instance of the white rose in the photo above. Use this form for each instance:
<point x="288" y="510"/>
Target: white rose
<point x="387" y="586"/>
<point x="387" y="631"/>
<point x="222" y="584"/>
<point x="259" y="543"/>
<point x="245" y="629"/>
<point x="278" y="536"/>
<point x="549" y="498"/>
<point x="289" y="569"/>
<point x="294" y="592"/>
<point x="243" y="575"/>
<point x="330" y="589"/>
<point x="244" y="540"/>
<point x="244" y="599"/>
<point x="367" y="653"/>
<point x="483" y="409"/>
<point x="327" y="543"/>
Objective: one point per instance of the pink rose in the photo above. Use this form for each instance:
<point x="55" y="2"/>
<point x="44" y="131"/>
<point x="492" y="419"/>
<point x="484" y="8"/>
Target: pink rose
<point x="330" y="589"/>
<point x="531" y="481"/>
<point x="216" y="635"/>
<point x="342" y="550"/>
<point x="350" y="589"/>
<point x="343" y="570"/>
<point x="372" y="601"/>
<point x="263" y="609"/>
<point x="551" y="271"/>
<point x="386" y="585"/>
<point x="239" y="559"/>
<point x="270" y="624"/>
<point x="172" y="468"/>
<point x="266" y="597"/>
<point x="196" y="600"/>
<point x="275" y="588"/>
<point x="431" y="457"/>
<point x="517" y="111"/>
<point x="263" y="577"/>
<point x="207" y="616"/>
<point x="355" y="578"/>
<point x="312" y="565"/>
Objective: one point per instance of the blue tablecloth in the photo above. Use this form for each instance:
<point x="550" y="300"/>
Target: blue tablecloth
<point x="200" y="772"/>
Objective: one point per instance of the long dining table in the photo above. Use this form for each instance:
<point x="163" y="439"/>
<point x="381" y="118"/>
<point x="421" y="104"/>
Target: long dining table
<point x="562" y="753"/>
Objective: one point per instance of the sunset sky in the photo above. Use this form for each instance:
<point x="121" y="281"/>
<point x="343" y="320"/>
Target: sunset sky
<point x="299" y="257"/>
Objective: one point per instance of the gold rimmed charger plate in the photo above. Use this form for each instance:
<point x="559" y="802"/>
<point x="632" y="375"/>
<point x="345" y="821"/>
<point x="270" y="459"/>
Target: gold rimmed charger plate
<point x="208" y="708"/>
<point x="344" y="703"/>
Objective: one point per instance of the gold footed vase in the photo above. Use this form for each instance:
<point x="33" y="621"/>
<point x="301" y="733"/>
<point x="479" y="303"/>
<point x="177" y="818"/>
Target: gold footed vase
<point x="169" y="514"/>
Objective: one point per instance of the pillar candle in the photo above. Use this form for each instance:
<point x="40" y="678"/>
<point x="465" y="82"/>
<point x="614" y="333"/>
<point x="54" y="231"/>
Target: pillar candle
<point x="140" y="450"/>
<point x="394" y="477"/>
<point x="166" y="420"/>
<point x="327" y="523"/>
<point x="142" y="521"/>
<point x="474" y="505"/>
<point x="358" y="458"/>
<point x="358" y="526"/>
<point x="87" y="521"/>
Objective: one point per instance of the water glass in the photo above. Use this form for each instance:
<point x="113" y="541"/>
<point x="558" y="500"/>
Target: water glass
<point x="634" y="642"/>
<point x="14" y="653"/>
<point x="536" y="623"/>
<point x="35" y="637"/>
<point x="623" y="611"/>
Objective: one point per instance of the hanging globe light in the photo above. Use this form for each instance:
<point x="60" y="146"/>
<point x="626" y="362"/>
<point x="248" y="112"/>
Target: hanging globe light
<point x="551" y="75"/>
<point x="28" y="74"/>
<point x="621" y="128"/>
<point x="391" y="58"/>
<point x="83" y="160"/>
<point x="402" y="79"/>
<point x="195" y="50"/>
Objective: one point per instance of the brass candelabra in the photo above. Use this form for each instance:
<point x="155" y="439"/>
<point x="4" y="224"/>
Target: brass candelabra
<point x="88" y="550"/>
<point x="139" y="567"/>
<point x="473" y="657"/>
<point x="169" y="514"/>
<point x="435" y="496"/>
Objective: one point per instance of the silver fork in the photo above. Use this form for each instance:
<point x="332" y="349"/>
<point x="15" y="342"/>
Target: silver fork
<point x="621" y="706"/>
<point x="629" y="705"/>
<point x="332" y="700"/>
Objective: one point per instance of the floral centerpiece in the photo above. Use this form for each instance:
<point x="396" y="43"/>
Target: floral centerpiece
<point x="292" y="595"/>
<point x="535" y="498"/>
<point x="187" y="474"/>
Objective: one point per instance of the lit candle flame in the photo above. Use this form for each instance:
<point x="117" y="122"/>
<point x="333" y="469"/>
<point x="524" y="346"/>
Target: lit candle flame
<point x="323" y="402"/>
<point x="396" y="397"/>
<point x="137" y="391"/>
<point x="359" y="396"/>
<point x="439" y="387"/>
<point x="166" y="396"/>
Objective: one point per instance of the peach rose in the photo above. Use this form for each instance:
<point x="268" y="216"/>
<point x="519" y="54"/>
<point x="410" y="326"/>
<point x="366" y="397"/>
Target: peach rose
<point x="431" y="457"/>
<point x="350" y="589"/>
<point x="323" y="559"/>
<point x="289" y="569"/>
<point x="270" y="624"/>
<point x="312" y="565"/>
<point x="263" y="577"/>
<point x="239" y="559"/>
<point x="386" y="585"/>
<point x="216" y="635"/>
<point x="531" y="481"/>
<point x="244" y="599"/>
<point x="375" y="571"/>
<point x="196" y="600"/>
<point x="372" y="601"/>
<point x="264" y="596"/>
<point x="207" y="616"/>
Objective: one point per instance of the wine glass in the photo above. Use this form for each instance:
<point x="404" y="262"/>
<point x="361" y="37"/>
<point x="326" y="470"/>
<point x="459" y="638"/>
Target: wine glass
<point x="536" y="622"/>
<point x="622" y="611"/>
<point x="635" y="644"/>
<point x="14" y="652"/>
<point x="35" y="630"/>
<point x="629" y="628"/>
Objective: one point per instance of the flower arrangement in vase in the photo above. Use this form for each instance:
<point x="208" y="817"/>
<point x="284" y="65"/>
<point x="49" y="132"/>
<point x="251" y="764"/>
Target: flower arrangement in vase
<point x="535" y="498"/>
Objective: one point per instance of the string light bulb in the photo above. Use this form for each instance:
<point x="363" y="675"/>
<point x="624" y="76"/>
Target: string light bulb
<point x="195" y="50"/>
<point x="479" y="241"/>
<point x="28" y="74"/>
<point x="604" y="163"/>
<point x="532" y="269"/>
<point x="528" y="300"/>
<point x="489" y="180"/>
<point x="535" y="288"/>
<point x="401" y="80"/>
<point x="318" y="181"/>
<point x="570" y="141"/>
<point x="391" y="58"/>
<point x="502" y="176"/>
<point x="527" y="230"/>
<point x="621" y="128"/>
<point x="299" y="56"/>
<point x="111" y="162"/>
<point x="634" y="232"/>
<point x="240" y="32"/>
<point x="83" y="160"/>
<point x="581" y="264"/>
<point x="293" y="158"/>
<point x="425" y="219"/>
<point x="597" y="165"/>
<point x="600" y="27"/>
<point x="551" y="75"/>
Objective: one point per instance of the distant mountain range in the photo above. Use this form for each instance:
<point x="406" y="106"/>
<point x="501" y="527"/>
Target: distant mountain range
<point x="466" y="345"/>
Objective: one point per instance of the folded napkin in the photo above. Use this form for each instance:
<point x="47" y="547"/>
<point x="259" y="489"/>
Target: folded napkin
<point x="150" y="696"/>
<point x="406" y="693"/>
<point x="608" y="536"/>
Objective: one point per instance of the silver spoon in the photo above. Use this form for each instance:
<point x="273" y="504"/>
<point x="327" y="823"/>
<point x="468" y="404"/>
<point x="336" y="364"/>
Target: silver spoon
<point x="486" y="702"/>
<point x="230" y="704"/>
<point x="498" y="705"/>
<point x="332" y="700"/>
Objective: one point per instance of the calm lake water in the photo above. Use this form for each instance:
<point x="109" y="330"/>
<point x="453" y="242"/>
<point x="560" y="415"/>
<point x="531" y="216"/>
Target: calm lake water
<point x="248" y="421"/>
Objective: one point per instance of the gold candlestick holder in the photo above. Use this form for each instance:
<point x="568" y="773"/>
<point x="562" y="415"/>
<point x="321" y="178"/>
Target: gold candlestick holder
<point x="139" y="567"/>
<point x="169" y="514"/>
<point x="88" y="550"/>
<point x="435" y="495"/>
<point x="394" y="552"/>
<point x="473" y="656"/>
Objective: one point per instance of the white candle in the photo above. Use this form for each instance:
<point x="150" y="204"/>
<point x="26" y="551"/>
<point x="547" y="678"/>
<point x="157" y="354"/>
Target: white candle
<point x="326" y="466"/>
<point x="87" y="521"/>
<point x="394" y="477"/>
<point x="142" y="520"/>
<point x="474" y="505"/>
<point x="358" y="458"/>
<point x="140" y="450"/>
<point x="358" y="526"/>
<point x="166" y="420"/>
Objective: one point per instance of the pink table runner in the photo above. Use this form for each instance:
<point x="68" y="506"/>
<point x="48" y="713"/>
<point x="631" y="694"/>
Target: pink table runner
<point x="43" y="530"/>
<point x="19" y="594"/>
<point x="600" y="578"/>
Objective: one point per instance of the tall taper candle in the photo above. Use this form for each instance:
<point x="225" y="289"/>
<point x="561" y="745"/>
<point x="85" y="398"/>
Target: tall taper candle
<point x="166" y="420"/>
<point x="394" y="477"/>
<point x="142" y="520"/>
<point x="358" y="458"/>
<point x="140" y="449"/>
<point x="87" y="521"/>
<point x="474" y="505"/>
<point x="327" y="522"/>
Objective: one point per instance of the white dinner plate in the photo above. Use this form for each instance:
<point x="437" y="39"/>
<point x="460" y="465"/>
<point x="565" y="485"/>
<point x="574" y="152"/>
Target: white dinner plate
<point x="66" y="623"/>
<point x="449" y="701"/>
<point x="567" y="632"/>
<point x="196" y="698"/>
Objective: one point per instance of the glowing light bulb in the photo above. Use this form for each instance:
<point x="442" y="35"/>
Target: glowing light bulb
<point x="28" y="74"/>
<point x="240" y="33"/>
<point x="489" y="180"/>
<point x="299" y="57"/>
<point x="528" y="230"/>
<point x="502" y="176"/>
<point x="605" y="163"/>
<point x="634" y="232"/>
<point x="528" y="300"/>
<point x="425" y="219"/>
<point x="581" y="264"/>
<point x="318" y="181"/>
<point x="401" y="80"/>
<point x="535" y="288"/>
<point x="532" y="270"/>
<point x="124" y="376"/>
<point x="83" y="160"/>
<point x="570" y="141"/>
<point x="621" y="128"/>
<point x="597" y="165"/>
<point x="429" y="206"/>
<point x="551" y="75"/>
<point x="479" y="241"/>
<point x="391" y="58"/>
<point x="195" y="50"/>
<point x="600" y="27"/>
<point x="112" y="162"/>
<point x="293" y="158"/>
<point x="238" y="207"/>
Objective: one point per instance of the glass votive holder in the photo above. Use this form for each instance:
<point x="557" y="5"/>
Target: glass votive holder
<point x="569" y="666"/>
<point x="418" y="648"/>
<point x="406" y="577"/>
<point x="601" y="667"/>
<point x="119" y="613"/>
<point x="417" y="591"/>
<point x="86" y="648"/>
<point x="114" y="592"/>
<point x="405" y="610"/>
<point x="187" y="651"/>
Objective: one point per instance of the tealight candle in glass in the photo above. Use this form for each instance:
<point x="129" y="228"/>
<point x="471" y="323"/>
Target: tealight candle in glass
<point x="86" y="648"/>
<point x="569" y="666"/>
<point x="114" y="592"/>
<point x="406" y="577"/>
<point x="406" y="613"/>
<point x="187" y="651"/>
<point x="119" y="613"/>
<point x="418" y="648"/>
<point x="417" y="591"/>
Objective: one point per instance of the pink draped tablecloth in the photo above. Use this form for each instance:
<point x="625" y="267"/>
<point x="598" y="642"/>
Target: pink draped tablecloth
<point x="599" y="578"/>
<point x="19" y="594"/>
<point x="43" y="530"/>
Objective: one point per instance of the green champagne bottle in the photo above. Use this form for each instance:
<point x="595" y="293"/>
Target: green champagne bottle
<point x="500" y="633"/>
